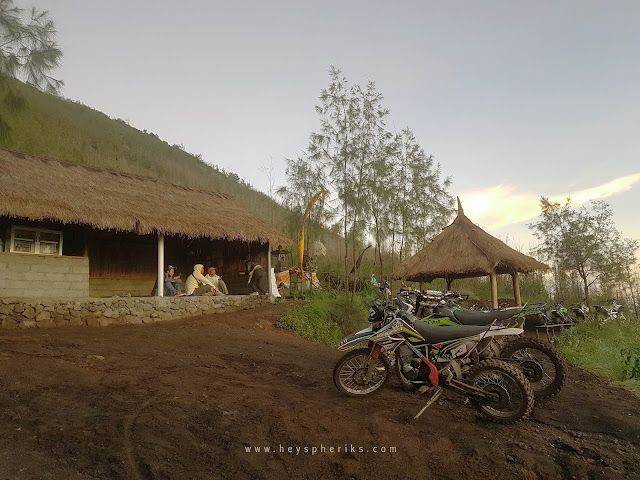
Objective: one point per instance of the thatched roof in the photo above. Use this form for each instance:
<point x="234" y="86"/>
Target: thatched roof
<point x="44" y="189"/>
<point x="464" y="250"/>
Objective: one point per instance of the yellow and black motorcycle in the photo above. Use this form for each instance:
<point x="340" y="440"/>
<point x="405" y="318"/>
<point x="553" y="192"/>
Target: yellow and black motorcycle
<point x="433" y="358"/>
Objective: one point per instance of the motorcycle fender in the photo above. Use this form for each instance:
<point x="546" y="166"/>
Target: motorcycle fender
<point x="500" y="332"/>
<point x="354" y="339"/>
<point x="433" y="371"/>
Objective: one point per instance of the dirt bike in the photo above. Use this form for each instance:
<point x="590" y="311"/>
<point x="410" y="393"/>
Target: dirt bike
<point x="433" y="359"/>
<point x="560" y="314"/>
<point x="580" y="310"/>
<point x="549" y="319"/>
<point x="610" y="312"/>
<point x="540" y="362"/>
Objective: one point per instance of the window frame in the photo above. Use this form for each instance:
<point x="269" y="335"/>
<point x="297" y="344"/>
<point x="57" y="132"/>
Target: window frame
<point x="37" y="242"/>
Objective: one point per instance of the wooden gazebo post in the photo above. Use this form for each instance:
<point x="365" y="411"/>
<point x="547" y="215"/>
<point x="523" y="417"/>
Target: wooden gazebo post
<point x="516" y="288"/>
<point x="494" y="290"/>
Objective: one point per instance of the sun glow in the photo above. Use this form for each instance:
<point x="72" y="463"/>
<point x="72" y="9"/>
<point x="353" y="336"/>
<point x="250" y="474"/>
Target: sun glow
<point x="503" y="205"/>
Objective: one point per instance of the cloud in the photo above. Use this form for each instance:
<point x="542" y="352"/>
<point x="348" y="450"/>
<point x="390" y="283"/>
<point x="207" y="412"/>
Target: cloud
<point x="618" y="185"/>
<point x="503" y="205"/>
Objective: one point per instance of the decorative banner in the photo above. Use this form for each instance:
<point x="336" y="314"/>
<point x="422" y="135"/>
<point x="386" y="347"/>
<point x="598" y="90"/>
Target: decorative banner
<point x="307" y="212"/>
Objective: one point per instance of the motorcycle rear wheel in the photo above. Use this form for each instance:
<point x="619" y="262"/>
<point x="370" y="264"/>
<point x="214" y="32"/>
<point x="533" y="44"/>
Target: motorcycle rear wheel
<point x="516" y="397"/>
<point x="542" y="364"/>
<point x="350" y="371"/>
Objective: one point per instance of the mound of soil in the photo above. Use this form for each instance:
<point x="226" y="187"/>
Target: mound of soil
<point x="202" y="398"/>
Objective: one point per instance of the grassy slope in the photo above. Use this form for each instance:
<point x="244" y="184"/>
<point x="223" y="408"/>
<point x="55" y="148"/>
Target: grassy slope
<point x="609" y="350"/>
<point x="57" y="128"/>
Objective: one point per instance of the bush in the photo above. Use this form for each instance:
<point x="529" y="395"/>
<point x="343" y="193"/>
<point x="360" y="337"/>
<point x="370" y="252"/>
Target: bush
<point x="611" y="350"/>
<point x="631" y="357"/>
<point x="326" y="317"/>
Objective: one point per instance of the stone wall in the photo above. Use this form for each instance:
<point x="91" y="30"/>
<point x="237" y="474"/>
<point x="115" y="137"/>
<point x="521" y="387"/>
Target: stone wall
<point x="27" y="275"/>
<point x="27" y="313"/>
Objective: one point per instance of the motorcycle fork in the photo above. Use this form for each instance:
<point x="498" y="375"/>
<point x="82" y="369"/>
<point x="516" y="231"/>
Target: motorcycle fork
<point x="375" y="353"/>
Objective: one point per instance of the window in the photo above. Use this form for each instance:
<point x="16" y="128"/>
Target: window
<point x="35" y="240"/>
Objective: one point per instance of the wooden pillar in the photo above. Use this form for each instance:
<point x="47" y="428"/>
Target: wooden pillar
<point x="449" y="282"/>
<point x="269" y="265"/>
<point x="160" y="289"/>
<point x="421" y="285"/>
<point x="494" y="290"/>
<point x="516" y="288"/>
<point x="86" y="244"/>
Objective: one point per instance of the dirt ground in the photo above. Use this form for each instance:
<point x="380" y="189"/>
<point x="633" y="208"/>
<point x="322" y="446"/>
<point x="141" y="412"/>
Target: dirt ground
<point x="187" y="399"/>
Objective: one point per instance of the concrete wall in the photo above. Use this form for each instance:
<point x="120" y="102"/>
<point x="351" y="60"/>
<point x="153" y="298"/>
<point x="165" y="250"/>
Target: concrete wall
<point x="43" y="276"/>
<point x="26" y="313"/>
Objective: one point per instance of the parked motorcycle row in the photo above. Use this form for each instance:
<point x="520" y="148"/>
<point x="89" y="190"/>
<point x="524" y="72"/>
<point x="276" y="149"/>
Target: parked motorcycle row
<point x="559" y="315"/>
<point x="551" y="318"/>
<point x="613" y="311"/>
<point x="432" y="344"/>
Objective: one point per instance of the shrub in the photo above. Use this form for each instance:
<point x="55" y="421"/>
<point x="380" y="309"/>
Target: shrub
<point x="326" y="317"/>
<point x="631" y="358"/>
<point x="611" y="350"/>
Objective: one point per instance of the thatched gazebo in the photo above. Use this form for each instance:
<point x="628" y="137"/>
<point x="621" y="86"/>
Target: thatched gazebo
<point x="464" y="250"/>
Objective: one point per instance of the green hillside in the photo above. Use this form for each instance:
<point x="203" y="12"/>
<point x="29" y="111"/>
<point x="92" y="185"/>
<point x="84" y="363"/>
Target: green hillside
<point x="50" y="126"/>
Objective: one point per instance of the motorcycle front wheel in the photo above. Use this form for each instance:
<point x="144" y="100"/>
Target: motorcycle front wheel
<point x="349" y="374"/>
<point x="540" y="362"/>
<point x="514" y="394"/>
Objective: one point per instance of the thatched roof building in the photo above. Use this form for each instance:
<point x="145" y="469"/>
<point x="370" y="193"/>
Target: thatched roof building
<point x="118" y="229"/>
<point x="43" y="189"/>
<point x="464" y="250"/>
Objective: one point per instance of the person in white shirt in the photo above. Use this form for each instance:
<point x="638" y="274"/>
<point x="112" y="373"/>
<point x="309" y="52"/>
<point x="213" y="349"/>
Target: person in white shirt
<point x="217" y="281"/>
<point x="198" y="284"/>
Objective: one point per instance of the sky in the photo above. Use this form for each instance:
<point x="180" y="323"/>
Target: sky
<point x="516" y="100"/>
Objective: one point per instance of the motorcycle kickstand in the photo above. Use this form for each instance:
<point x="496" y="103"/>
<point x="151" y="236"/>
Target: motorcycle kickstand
<point x="433" y="398"/>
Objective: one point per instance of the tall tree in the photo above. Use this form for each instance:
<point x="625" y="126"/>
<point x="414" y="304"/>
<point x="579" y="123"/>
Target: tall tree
<point x="378" y="182"/>
<point x="304" y="180"/>
<point x="28" y="50"/>
<point x="370" y="130"/>
<point x="585" y="241"/>
<point x="380" y="193"/>
<point x="351" y="118"/>
<point x="422" y="204"/>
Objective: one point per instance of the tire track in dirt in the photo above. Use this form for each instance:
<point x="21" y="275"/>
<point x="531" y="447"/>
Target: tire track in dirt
<point x="129" y="449"/>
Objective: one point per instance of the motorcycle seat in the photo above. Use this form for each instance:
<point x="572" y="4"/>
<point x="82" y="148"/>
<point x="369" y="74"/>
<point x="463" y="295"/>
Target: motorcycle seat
<point x="475" y="317"/>
<point x="435" y="334"/>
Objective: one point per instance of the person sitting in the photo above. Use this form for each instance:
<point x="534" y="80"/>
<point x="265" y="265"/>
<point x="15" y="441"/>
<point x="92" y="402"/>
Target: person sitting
<point x="172" y="283"/>
<point x="258" y="279"/>
<point x="217" y="281"/>
<point x="198" y="284"/>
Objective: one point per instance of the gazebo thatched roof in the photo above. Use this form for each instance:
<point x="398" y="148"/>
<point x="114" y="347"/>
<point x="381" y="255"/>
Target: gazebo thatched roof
<point x="44" y="189"/>
<point x="464" y="250"/>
